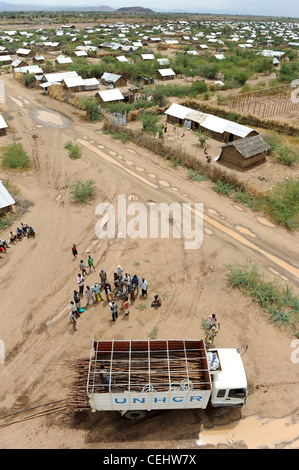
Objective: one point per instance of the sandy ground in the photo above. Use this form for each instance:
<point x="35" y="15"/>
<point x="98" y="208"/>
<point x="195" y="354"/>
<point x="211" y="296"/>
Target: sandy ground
<point x="38" y="277"/>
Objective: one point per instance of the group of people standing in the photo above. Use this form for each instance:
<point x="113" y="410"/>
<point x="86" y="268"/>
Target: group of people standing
<point x="125" y="288"/>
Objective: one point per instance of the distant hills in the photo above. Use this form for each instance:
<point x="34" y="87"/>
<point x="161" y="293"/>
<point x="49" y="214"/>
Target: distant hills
<point x="32" y="7"/>
<point x="104" y="8"/>
<point x="16" y="7"/>
<point x="134" y="10"/>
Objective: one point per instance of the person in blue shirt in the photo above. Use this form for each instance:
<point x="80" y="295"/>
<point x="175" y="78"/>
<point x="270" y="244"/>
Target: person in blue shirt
<point x="97" y="291"/>
<point x="135" y="282"/>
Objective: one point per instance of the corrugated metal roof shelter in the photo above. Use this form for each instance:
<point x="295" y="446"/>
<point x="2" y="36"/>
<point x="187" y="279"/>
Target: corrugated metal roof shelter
<point x="63" y="60"/>
<point x="73" y="82"/>
<point x="148" y="56"/>
<point x="18" y="63"/>
<point x="91" y="84"/>
<point x="58" y="77"/>
<point x="5" y="59"/>
<point x="80" y="53"/>
<point x="6" y="200"/>
<point x="214" y="124"/>
<point x="163" y="61"/>
<point x="35" y="69"/>
<point x="221" y="129"/>
<point x="24" y="52"/>
<point x="226" y="130"/>
<point x="46" y="85"/>
<point x="166" y="73"/>
<point x="238" y="130"/>
<point x="113" y="79"/>
<point x="177" y="112"/>
<point x="109" y="77"/>
<point x="196" y="116"/>
<point x="121" y="58"/>
<point x="110" y="95"/>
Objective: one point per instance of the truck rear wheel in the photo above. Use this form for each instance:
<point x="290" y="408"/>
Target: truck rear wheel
<point x="132" y="414"/>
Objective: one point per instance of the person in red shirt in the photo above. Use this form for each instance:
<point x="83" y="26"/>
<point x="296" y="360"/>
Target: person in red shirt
<point x="74" y="251"/>
<point x="126" y="306"/>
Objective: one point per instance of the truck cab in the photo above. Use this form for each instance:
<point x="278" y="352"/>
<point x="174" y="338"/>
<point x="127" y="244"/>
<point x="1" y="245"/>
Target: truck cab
<point x="229" y="381"/>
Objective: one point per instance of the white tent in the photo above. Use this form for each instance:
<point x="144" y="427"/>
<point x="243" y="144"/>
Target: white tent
<point x="6" y="199"/>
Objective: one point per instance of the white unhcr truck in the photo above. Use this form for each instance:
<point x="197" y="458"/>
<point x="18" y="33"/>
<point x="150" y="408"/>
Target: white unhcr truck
<point x="135" y="377"/>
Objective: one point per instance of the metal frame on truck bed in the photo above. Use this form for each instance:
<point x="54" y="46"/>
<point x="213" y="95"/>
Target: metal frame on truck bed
<point x="149" y="374"/>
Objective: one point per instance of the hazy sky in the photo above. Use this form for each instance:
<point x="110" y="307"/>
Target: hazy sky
<point x="254" y="7"/>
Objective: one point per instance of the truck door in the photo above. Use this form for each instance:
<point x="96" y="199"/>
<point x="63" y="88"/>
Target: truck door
<point x="237" y="396"/>
<point x="230" y="397"/>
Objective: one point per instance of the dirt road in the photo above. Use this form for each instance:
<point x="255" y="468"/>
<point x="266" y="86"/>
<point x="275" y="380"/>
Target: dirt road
<point x="38" y="278"/>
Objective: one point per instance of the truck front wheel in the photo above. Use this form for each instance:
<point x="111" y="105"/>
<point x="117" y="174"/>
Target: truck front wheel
<point x="132" y="414"/>
<point x="222" y="410"/>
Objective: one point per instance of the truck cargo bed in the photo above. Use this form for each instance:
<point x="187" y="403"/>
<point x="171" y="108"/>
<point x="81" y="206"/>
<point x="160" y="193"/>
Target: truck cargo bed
<point x="149" y="365"/>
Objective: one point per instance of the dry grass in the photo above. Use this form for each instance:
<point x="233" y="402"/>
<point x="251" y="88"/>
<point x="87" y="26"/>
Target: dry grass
<point x="186" y="160"/>
<point x="58" y="92"/>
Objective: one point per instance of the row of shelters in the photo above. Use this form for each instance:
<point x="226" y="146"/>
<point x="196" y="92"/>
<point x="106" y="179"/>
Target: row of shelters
<point x="244" y="147"/>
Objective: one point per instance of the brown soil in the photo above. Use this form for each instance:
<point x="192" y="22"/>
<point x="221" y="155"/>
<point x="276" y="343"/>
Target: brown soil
<point x="38" y="277"/>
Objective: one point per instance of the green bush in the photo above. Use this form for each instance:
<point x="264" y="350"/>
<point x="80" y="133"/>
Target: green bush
<point x="282" y="204"/>
<point x="123" y="136"/>
<point x="202" y="137"/>
<point x="195" y="175"/>
<point x="286" y="155"/>
<point x="281" y="152"/>
<point x="83" y="192"/>
<point x="274" y="297"/>
<point x="14" y="157"/>
<point x="90" y="105"/>
<point x="74" y="150"/>
<point x="28" y="79"/>
<point x="149" y="123"/>
<point x="222" y="187"/>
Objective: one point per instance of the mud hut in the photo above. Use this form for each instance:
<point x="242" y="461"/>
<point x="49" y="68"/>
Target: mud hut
<point x="112" y="79"/>
<point x="244" y="153"/>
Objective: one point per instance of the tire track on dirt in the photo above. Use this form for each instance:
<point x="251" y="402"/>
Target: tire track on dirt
<point x="292" y="270"/>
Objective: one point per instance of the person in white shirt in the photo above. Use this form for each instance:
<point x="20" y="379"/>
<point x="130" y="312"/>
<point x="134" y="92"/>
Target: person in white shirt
<point x="113" y="305"/>
<point x="80" y="282"/>
<point x="127" y="279"/>
<point x="213" y="320"/>
<point x="89" y="296"/>
<point x="120" y="271"/>
<point x="143" y="286"/>
<point x="73" y="314"/>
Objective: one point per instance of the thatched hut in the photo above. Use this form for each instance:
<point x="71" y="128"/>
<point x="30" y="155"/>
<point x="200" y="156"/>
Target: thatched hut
<point x="244" y="153"/>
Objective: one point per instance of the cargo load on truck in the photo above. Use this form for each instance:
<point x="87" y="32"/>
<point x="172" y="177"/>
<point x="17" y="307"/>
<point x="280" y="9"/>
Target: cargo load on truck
<point x="149" y="374"/>
<point x="136" y="376"/>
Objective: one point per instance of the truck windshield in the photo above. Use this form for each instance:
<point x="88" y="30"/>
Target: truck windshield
<point x="237" y="393"/>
